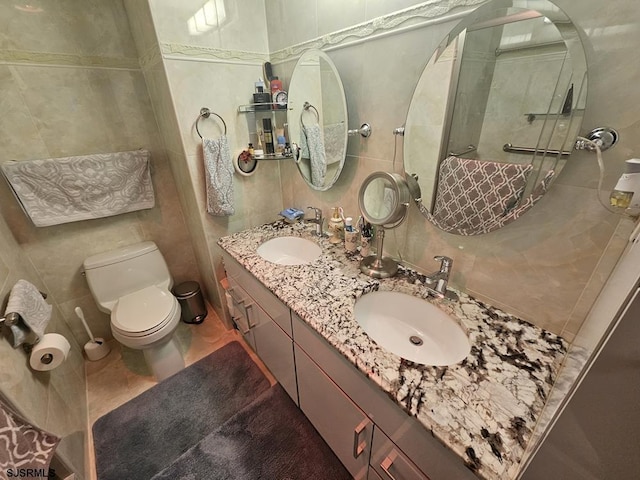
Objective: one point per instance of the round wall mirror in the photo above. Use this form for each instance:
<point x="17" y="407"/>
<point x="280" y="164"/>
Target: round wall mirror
<point x="495" y="115"/>
<point x="317" y="119"/>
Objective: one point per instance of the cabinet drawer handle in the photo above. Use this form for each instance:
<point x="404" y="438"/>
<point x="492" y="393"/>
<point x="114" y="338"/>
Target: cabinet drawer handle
<point x="358" y="447"/>
<point x="232" y="291"/>
<point x="387" y="463"/>
<point x="247" y="316"/>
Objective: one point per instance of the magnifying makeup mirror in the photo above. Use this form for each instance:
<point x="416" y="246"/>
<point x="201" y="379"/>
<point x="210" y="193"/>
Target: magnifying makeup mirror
<point x="384" y="202"/>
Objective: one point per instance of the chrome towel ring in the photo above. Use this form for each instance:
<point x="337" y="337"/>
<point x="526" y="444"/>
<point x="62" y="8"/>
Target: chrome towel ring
<point x="306" y="106"/>
<point x="205" y="113"/>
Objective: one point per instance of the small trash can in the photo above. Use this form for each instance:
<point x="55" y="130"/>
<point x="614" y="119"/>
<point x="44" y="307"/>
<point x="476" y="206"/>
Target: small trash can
<point x="191" y="302"/>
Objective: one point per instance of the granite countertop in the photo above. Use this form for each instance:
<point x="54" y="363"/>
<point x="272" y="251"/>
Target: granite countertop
<point x="484" y="408"/>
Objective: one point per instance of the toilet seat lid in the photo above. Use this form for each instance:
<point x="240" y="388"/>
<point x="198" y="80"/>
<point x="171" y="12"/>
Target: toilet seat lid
<point x="143" y="311"/>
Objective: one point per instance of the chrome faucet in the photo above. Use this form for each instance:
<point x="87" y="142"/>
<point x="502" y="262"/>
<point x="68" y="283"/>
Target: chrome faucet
<point x="318" y="220"/>
<point x="440" y="277"/>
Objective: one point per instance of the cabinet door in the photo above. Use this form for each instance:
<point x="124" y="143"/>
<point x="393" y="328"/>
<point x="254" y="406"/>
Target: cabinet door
<point x="345" y="428"/>
<point x="373" y="475"/>
<point x="241" y="317"/>
<point x="275" y="349"/>
<point x="413" y="438"/>
<point x="389" y="462"/>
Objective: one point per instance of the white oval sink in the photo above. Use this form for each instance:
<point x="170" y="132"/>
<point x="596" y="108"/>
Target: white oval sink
<point x="289" y="251"/>
<point x="412" y="328"/>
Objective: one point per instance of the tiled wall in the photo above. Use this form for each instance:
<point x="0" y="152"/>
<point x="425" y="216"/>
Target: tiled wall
<point x="215" y="69"/>
<point x="71" y="84"/>
<point x="55" y="401"/>
<point x="557" y="257"/>
<point x="547" y="267"/>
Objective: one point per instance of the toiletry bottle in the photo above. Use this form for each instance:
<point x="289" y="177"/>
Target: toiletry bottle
<point x="336" y="226"/>
<point x="280" y="141"/>
<point x="350" y="235"/>
<point x="366" y="238"/>
<point x="348" y="224"/>
<point x="251" y="150"/>
<point x="268" y="136"/>
<point x="260" y="97"/>
<point x="276" y="87"/>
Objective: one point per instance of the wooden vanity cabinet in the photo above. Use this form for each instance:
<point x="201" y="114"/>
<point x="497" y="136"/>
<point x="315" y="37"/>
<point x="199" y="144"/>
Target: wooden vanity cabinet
<point x="368" y="431"/>
<point x="432" y="459"/>
<point x="345" y="428"/>
<point x="389" y="462"/>
<point x="265" y="323"/>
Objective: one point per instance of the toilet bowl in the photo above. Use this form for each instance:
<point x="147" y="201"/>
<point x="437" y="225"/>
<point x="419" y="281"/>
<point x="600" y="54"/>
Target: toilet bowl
<point x="132" y="285"/>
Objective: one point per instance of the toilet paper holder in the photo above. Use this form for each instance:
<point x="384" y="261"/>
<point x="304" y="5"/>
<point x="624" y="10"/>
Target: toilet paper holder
<point x="13" y="318"/>
<point x="10" y="319"/>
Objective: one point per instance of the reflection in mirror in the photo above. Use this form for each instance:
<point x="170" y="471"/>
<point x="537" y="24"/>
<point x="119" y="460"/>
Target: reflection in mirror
<point x="384" y="202"/>
<point x="504" y="76"/>
<point x="317" y="119"/>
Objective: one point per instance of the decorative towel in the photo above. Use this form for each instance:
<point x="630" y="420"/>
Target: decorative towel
<point x="473" y="194"/>
<point x="23" y="446"/>
<point x="70" y="189"/>
<point x="312" y="147"/>
<point x="218" y="168"/>
<point x="27" y="301"/>
<point x="334" y="144"/>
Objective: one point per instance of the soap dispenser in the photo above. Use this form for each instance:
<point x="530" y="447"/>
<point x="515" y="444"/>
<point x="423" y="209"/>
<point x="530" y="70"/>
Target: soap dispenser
<point x="336" y="226"/>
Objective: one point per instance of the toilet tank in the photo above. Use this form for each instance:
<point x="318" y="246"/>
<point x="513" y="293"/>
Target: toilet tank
<point x="113" y="274"/>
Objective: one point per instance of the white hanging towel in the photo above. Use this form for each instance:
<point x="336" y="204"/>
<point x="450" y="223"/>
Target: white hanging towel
<point x="26" y="300"/>
<point x="70" y="189"/>
<point x="218" y="168"/>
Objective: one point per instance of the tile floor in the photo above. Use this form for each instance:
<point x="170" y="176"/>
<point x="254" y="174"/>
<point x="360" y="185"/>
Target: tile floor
<point x="123" y="374"/>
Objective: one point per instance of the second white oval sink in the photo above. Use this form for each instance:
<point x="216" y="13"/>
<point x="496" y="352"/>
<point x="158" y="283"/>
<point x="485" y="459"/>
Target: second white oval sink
<point x="412" y="328"/>
<point x="289" y="250"/>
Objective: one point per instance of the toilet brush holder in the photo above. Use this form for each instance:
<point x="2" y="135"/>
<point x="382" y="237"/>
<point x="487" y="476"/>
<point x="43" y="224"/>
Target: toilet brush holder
<point x="95" y="348"/>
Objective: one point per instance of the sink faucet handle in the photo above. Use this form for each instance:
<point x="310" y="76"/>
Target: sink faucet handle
<point x="446" y="262"/>
<point x="317" y="211"/>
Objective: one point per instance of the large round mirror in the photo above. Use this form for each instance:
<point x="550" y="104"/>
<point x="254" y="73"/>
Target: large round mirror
<point x="495" y="115"/>
<point x="317" y="119"/>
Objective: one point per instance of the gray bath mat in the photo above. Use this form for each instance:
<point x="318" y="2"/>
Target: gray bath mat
<point x="147" y="434"/>
<point x="268" y="440"/>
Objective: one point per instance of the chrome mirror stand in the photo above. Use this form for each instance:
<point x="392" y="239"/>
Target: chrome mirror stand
<point x="377" y="266"/>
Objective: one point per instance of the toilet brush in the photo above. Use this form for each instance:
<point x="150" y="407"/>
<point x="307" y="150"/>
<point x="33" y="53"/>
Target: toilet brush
<point x="96" y="348"/>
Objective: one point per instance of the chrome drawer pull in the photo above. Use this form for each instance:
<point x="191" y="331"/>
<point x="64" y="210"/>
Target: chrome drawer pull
<point x="247" y="316"/>
<point x="358" y="447"/>
<point x="387" y="463"/>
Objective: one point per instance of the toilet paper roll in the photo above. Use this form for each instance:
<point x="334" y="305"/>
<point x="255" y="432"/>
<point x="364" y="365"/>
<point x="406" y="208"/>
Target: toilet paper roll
<point x="49" y="352"/>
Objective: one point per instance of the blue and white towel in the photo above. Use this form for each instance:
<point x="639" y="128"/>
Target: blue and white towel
<point x="218" y="168"/>
<point x="70" y="189"/>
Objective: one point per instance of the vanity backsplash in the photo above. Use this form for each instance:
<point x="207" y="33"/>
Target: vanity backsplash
<point x="484" y="408"/>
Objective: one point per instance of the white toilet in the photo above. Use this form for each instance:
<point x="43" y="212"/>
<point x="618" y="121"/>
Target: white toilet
<point x="133" y="284"/>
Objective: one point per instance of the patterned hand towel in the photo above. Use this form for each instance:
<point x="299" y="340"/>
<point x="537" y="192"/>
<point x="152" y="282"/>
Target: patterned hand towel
<point x="334" y="143"/>
<point x="70" y="189"/>
<point x="218" y="168"/>
<point x="24" y="446"/>
<point x="475" y="193"/>
<point x="312" y="147"/>
<point x="27" y="301"/>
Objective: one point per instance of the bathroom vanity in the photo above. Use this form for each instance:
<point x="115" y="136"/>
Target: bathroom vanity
<point x="386" y="417"/>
